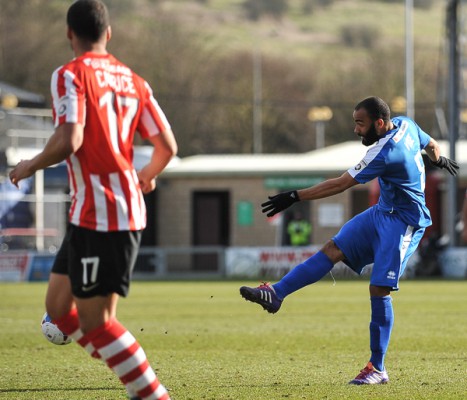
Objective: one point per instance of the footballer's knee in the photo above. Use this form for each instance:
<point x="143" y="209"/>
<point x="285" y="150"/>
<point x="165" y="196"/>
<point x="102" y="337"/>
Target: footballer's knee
<point x="332" y="251"/>
<point x="379" y="291"/>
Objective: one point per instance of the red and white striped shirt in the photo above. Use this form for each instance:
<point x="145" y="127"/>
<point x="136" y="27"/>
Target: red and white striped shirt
<point x="111" y="102"/>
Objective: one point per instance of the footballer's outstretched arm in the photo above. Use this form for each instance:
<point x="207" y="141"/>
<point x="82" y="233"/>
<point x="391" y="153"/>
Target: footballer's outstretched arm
<point x="433" y="150"/>
<point x="328" y="188"/>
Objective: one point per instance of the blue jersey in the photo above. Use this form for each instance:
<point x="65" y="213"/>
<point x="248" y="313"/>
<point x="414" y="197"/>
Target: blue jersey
<point x="396" y="161"/>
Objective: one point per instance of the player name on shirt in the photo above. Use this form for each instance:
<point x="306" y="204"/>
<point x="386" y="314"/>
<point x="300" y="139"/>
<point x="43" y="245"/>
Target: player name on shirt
<point x="118" y="83"/>
<point x="116" y="77"/>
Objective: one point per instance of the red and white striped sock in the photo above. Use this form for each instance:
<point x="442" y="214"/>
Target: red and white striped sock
<point x="123" y="354"/>
<point x="69" y="324"/>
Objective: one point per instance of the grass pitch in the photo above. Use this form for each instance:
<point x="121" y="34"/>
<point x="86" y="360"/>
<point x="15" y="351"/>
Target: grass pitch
<point x="206" y="342"/>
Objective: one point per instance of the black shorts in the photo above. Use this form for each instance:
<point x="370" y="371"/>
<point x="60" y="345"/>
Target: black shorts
<point x="98" y="263"/>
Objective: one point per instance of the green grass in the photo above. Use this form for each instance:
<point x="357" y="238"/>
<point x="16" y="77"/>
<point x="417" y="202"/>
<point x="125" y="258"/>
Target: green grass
<point x="207" y="343"/>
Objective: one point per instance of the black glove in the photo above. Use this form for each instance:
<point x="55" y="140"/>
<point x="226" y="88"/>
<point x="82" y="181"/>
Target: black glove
<point x="446" y="163"/>
<point x="279" y="202"/>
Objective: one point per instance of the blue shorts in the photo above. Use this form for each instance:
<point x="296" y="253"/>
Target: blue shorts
<point x="378" y="238"/>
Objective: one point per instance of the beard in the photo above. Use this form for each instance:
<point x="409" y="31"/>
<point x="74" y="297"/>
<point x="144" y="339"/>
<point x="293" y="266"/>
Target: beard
<point x="370" y="137"/>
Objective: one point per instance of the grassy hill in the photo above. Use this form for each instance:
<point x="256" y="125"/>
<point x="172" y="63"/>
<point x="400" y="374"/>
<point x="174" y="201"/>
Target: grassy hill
<point x="298" y="33"/>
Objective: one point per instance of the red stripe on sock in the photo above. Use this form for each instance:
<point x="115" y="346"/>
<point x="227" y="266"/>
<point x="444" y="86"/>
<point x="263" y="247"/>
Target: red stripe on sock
<point x="135" y="373"/>
<point x="105" y="334"/>
<point x="83" y="342"/>
<point x="95" y="354"/>
<point x="69" y="323"/>
<point x="150" y="389"/>
<point x="123" y="355"/>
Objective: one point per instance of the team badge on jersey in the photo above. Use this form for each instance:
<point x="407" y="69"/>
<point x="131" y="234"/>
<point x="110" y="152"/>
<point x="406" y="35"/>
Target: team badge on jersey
<point x="62" y="106"/>
<point x="362" y="164"/>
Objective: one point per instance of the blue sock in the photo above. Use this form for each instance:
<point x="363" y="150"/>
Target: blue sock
<point x="382" y="320"/>
<point x="310" y="271"/>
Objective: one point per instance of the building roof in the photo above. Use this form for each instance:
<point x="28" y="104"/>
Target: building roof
<point x="332" y="159"/>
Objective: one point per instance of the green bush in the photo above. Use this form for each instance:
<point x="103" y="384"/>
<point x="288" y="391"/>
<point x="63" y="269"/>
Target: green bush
<point x="360" y="35"/>
<point x="255" y="9"/>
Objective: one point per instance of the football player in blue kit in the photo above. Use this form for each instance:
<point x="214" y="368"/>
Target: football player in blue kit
<point x="386" y="234"/>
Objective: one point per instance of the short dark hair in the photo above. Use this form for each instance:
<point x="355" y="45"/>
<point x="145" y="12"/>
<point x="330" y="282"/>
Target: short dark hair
<point x="376" y="108"/>
<point x="88" y="19"/>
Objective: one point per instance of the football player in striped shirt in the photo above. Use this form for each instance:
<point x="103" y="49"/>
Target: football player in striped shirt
<point x="385" y="235"/>
<point x="98" y="105"/>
